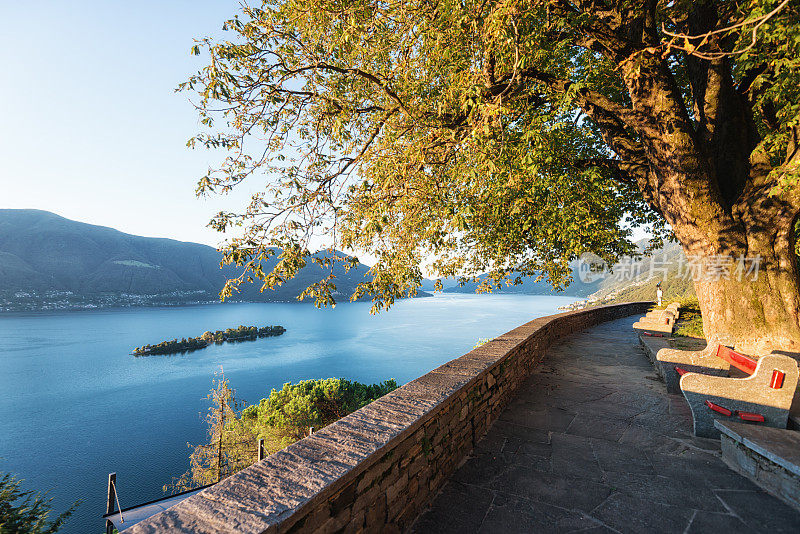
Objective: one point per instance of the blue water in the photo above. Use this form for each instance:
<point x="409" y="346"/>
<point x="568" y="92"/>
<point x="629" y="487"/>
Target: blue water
<point x="75" y="405"/>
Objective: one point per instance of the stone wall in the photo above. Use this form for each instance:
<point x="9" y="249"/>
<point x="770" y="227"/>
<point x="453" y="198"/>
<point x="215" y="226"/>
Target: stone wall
<point x="375" y="469"/>
<point x="768" y="474"/>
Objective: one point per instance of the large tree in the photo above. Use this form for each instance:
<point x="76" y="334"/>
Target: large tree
<point x="513" y="136"/>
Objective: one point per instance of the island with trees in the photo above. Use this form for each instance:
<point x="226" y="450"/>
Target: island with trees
<point x="242" y="333"/>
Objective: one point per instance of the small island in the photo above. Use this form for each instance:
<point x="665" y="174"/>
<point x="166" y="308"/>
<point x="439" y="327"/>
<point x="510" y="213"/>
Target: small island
<point x="243" y="333"/>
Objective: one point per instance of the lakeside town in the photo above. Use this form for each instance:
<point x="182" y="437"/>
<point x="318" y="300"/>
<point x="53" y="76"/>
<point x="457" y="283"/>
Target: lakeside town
<point x="32" y="300"/>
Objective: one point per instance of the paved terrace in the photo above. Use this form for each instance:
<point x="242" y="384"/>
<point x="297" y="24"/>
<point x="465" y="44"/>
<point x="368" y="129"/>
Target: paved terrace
<point x="593" y="443"/>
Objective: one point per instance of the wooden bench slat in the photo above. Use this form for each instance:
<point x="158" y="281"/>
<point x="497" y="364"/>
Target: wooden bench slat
<point x="717" y="408"/>
<point x="750" y="416"/>
<point x="776" y="382"/>
<point x="740" y="361"/>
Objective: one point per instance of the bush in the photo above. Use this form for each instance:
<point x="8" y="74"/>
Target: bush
<point x="281" y="419"/>
<point x="311" y="403"/>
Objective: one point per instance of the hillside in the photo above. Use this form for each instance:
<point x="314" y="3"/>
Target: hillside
<point x="430" y="285"/>
<point x="628" y="281"/>
<point x="45" y="257"/>
<point x="632" y="282"/>
<point x="48" y="261"/>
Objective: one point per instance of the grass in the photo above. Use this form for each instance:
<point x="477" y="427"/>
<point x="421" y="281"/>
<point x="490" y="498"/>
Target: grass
<point x="675" y="289"/>
<point x="690" y="323"/>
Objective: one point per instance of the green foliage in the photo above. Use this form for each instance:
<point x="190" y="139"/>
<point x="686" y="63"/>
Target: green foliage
<point x="242" y="333"/>
<point x="24" y="512"/>
<point x="469" y="137"/>
<point x="229" y="447"/>
<point x="480" y="342"/>
<point x="288" y="413"/>
<point x="396" y="145"/>
<point x="688" y="302"/>
<point x="775" y="56"/>
<point x="171" y="347"/>
<point x="281" y="419"/>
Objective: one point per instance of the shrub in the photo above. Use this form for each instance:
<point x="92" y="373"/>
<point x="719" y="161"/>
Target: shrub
<point x="281" y="419"/>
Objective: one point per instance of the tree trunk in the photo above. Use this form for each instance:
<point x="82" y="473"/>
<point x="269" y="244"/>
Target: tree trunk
<point x="749" y="296"/>
<point x="713" y="187"/>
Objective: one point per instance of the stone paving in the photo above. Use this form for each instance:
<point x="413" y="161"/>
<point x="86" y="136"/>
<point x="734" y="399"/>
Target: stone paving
<point x="593" y="443"/>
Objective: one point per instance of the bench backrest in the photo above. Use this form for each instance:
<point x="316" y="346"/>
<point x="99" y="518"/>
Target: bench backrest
<point x="740" y="361"/>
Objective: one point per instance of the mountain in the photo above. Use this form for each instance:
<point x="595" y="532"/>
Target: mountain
<point x="430" y="285"/>
<point x="48" y="261"/>
<point x="530" y="286"/>
<point x="630" y="279"/>
<point x="41" y="252"/>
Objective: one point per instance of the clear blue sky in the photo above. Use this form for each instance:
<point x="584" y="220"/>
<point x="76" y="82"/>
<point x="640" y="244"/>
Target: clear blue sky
<point x="90" y="127"/>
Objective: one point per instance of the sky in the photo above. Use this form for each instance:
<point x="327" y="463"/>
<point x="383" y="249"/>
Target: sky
<point x="90" y="125"/>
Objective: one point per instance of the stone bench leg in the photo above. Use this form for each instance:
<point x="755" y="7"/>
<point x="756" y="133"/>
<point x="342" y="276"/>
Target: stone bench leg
<point x="751" y="394"/>
<point x="695" y="361"/>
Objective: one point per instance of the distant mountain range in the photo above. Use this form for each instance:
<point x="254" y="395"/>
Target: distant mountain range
<point x="630" y="280"/>
<point x="45" y="255"/>
<point x="530" y="286"/>
<point x="48" y="261"/>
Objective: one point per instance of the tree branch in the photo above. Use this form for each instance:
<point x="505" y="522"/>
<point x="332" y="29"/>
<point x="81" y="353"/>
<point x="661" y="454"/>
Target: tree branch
<point x="585" y="96"/>
<point x="704" y="38"/>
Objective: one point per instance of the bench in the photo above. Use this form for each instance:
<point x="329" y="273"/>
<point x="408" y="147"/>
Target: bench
<point x="673" y="309"/>
<point x="663" y="316"/>
<point x="665" y="358"/>
<point x="763" y="398"/>
<point x="663" y="321"/>
<point x="659" y="315"/>
<point x="706" y="361"/>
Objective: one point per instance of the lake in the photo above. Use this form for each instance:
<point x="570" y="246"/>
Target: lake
<point x="75" y="405"/>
